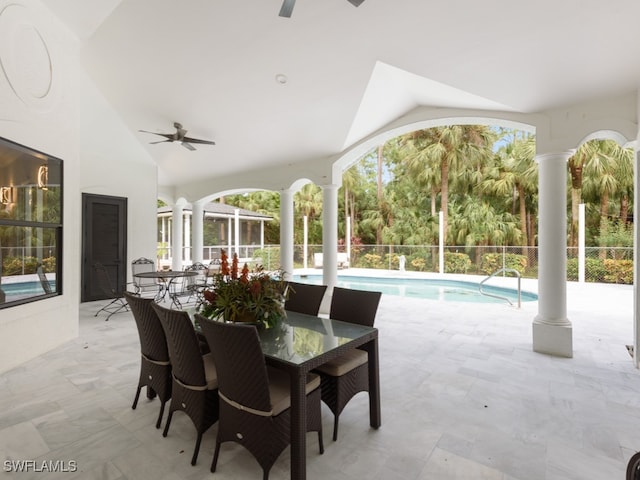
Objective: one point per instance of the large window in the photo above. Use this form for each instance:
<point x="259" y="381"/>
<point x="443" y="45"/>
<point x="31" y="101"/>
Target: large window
<point x="30" y="224"/>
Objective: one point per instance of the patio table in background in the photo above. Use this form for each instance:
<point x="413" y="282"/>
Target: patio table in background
<point x="167" y="278"/>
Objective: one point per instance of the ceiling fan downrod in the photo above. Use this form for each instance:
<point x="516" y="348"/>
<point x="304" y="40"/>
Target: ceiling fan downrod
<point x="287" y="6"/>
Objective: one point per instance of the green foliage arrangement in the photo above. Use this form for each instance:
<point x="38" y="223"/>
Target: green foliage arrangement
<point x="245" y="296"/>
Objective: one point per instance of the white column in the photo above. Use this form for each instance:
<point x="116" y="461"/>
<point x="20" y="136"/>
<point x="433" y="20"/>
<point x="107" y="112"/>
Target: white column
<point x="286" y="233"/>
<point x="236" y="230"/>
<point x="552" y="331"/>
<point x="187" y="238"/>
<point x="348" y="238"/>
<point x="176" y="237"/>
<point x="230" y="238"/>
<point x="197" y="232"/>
<point x="261" y="234"/>
<point x="305" y="241"/>
<point x="168" y="250"/>
<point x="164" y="239"/>
<point x="330" y="235"/>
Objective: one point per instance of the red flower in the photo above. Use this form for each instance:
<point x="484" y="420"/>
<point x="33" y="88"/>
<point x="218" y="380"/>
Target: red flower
<point x="244" y="278"/>
<point x="209" y="296"/>
<point x="255" y="288"/>
<point x="234" y="267"/>
<point x="224" y="263"/>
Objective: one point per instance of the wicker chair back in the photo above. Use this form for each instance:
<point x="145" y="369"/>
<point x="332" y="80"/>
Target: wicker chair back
<point x="304" y="297"/>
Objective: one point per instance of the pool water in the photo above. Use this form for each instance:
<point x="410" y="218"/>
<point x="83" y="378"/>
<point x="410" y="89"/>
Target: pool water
<point x="24" y="288"/>
<point x="430" y="289"/>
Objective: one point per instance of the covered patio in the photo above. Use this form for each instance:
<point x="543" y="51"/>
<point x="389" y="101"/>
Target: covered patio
<point x="463" y="396"/>
<point x="288" y="101"/>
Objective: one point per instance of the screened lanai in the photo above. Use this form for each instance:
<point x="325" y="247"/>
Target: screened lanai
<point x="224" y="227"/>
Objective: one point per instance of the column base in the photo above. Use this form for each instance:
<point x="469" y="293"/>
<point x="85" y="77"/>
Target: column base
<point x="553" y="339"/>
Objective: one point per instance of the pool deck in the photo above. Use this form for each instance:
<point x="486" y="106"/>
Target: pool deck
<point x="463" y="397"/>
<point x="584" y="300"/>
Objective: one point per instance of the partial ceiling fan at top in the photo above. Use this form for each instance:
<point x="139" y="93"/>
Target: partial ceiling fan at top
<point x="287" y="6"/>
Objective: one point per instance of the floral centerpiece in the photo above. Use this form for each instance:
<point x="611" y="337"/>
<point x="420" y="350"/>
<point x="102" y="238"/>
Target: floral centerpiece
<point x="245" y="296"/>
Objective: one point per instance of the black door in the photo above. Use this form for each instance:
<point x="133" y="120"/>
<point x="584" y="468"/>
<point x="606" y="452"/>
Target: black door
<point x="104" y="240"/>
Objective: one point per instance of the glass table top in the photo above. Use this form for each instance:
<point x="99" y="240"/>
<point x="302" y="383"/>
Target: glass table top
<point x="299" y="337"/>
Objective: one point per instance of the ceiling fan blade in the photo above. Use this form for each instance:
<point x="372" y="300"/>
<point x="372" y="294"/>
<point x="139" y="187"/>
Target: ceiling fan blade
<point x="161" y="141"/>
<point x="356" y="3"/>
<point x="287" y="8"/>
<point x="168" y="136"/>
<point x="197" y="140"/>
<point x="188" y="146"/>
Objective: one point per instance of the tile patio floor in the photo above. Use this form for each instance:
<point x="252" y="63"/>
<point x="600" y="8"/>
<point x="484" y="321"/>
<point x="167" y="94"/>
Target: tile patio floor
<point x="463" y="397"/>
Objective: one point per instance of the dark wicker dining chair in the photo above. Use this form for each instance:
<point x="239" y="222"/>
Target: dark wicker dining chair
<point x="194" y="388"/>
<point x="255" y="399"/>
<point x="304" y="297"/>
<point x="155" y="366"/>
<point x="633" y="467"/>
<point x="348" y="374"/>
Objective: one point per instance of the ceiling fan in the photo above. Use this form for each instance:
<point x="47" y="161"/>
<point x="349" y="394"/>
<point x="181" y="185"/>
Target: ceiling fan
<point x="180" y="137"/>
<point x="287" y="6"/>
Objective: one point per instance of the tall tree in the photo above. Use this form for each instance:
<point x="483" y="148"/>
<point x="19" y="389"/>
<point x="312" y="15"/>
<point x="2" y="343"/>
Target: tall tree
<point x="451" y="147"/>
<point x="515" y="175"/>
<point x="576" y="164"/>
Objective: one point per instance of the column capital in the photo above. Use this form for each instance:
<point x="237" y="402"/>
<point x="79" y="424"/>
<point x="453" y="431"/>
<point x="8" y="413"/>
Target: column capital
<point x="286" y="193"/>
<point x="566" y="155"/>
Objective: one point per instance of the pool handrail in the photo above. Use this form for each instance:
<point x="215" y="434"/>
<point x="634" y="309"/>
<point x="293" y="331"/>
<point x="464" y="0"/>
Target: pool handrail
<point x="500" y="270"/>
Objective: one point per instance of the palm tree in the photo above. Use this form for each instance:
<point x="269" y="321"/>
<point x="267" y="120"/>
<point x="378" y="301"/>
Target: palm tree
<point x="515" y="175"/>
<point x="576" y="164"/>
<point x="308" y="202"/>
<point x="451" y="147"/>
<point x="609" y="176"/>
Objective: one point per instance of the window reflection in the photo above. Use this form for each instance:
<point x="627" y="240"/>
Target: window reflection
<point x="30" y="224"/>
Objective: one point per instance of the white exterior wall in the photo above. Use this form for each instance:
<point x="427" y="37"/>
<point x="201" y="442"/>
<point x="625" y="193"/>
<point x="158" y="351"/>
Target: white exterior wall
<point x="47" y="103"/>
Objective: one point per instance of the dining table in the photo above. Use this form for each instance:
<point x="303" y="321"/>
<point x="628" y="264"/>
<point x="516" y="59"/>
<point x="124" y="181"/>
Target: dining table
<point x="298" y="344"/>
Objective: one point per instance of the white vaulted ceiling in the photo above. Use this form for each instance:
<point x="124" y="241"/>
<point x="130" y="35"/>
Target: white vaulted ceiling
<point x="212" y="65"/>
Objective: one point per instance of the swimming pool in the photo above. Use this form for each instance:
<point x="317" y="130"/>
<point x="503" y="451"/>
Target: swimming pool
<point x="430" y="289"/>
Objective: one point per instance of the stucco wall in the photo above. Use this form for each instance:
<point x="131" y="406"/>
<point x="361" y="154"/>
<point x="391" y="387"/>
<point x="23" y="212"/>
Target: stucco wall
<point x="48" y="103"/>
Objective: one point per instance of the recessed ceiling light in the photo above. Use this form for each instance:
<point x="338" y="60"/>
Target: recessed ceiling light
<point x="281" y="78"/>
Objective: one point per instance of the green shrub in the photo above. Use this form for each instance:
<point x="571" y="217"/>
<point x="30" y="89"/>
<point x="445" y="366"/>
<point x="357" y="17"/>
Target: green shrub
<point x="618" y="271"/>
<point x="456" y="262"/>
<point x="492" y="262"/>
<point x="269" y="257"/>
<point x="572" y="269"/>
<point x="419" y="263"/>
<point x="49" y="264"/>
<point x="372" y="260"/>
<point x="392" y="259"/>
<point x="595" y="270"/>
<point x="26" y="265"/>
